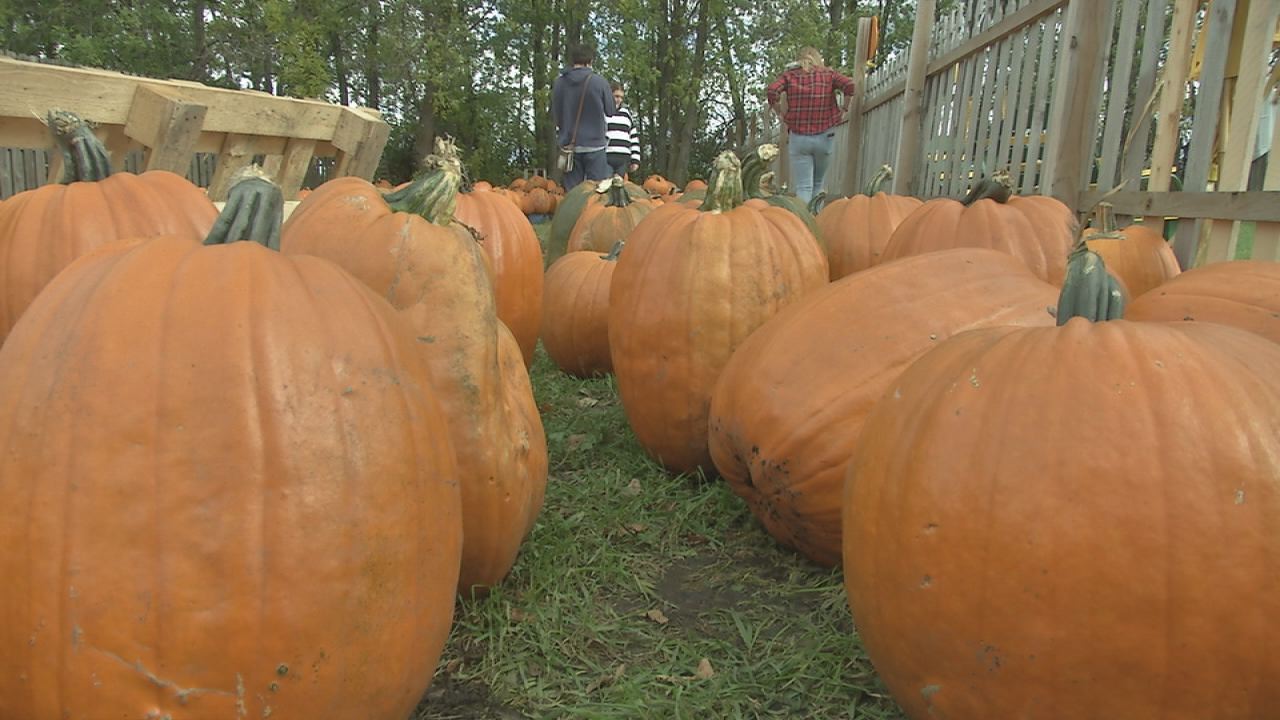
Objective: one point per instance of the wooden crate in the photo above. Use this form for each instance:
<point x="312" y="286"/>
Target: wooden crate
<point x="171" y="120"/>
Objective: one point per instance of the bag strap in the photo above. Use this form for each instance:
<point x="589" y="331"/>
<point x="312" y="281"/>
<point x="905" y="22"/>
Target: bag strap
<point x="581" y="101"/>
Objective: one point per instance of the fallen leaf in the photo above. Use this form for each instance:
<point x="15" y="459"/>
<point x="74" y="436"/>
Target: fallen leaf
<point x="604" y="680"/>
<point x="517" y="615"/>
<point x="634" y="487"/>
<point x="635" y="527"/>
<point x="657" y="616"/>
<point x="573" y="441"/>
<point x="704" y="671"/>
<point x="452" y="666"/>
<point x="694" y="538"/>
<point x="585" y="402"/>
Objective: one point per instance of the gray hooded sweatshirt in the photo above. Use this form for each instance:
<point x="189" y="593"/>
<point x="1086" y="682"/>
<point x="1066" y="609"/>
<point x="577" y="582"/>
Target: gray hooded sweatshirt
<point x="596" y="106"/>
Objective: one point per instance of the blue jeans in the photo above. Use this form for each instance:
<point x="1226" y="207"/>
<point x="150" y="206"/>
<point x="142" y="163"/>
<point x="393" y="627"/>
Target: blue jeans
<point x="587" y="166"/>
<point x="809" y="155"/>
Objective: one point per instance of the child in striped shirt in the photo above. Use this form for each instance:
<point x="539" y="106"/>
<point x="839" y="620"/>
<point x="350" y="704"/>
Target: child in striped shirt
<point x="623" y="152"/>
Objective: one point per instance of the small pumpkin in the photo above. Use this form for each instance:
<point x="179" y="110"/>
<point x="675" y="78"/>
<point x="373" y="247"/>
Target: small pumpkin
<point x="857" y="228"/>
<point x="575" y="317"/>
<point x="570" y="208"/>
<point x="1036" y="229"/>
<point x="601" y="225"/>
<point x="1139" y="256"/>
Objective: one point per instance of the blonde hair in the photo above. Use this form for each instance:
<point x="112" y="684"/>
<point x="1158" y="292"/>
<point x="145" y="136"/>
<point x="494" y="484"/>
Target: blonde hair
<point x="809" y="58"/>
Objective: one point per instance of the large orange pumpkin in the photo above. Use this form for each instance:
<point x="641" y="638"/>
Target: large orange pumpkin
<point x="1036" y="229"/>
<point x="790" y="404"/>
<point x="1240" y="293"/>
<point x="603" y="224"/>
<point x="575" y="317"/>
<point x="1139" y="256"/>
<point x="43" y="230"/>
<point x="857" y="228"/>
<point x="1073" y="522"/>
<point x="245" y="512"/>
<point x="407" y="247"/>
<point x="693" y="283"/>
<point x="515" y="255"/>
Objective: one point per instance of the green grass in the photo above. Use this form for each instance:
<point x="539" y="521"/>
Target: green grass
<point x="630" y="579"/>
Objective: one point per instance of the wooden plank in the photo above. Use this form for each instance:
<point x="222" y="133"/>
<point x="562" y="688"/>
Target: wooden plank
<point x="1237" y="138"/>
<point x="913" y="103"/>
<point x="1255" y="206"/>
<point x="237" y="153"/>
<point x="168" y="124"/>
<point x="1001" y="122"/>
<point x="933" y="120"/>
<point x="1009" y="128"/>
<point x="1034" y="181"/>
<point x="1204" y="126"/>
<point x="1177" y="67"/>
<point x="294" y="163"/>
<point x="365" y="161"/>
<point x="1019" y="167"/>
<point x="6" y="172"/>
<point x="853" y="107"/>
<point x="105" y="97"/>
<point x="1077" y="92"/>
<point x="1011" y="24"/>
<point x="1266" y="236"/>
<point x="1118" y="97"/>
<point x="1153" y="39"/>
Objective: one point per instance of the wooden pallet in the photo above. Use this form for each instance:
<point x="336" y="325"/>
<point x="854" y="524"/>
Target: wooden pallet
<point x="170" y="120"/>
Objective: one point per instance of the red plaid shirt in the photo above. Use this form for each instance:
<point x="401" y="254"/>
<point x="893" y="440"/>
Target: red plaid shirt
<point x="811" y="98"/>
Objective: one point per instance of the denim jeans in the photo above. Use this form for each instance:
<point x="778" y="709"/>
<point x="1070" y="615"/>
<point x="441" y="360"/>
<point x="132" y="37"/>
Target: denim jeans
<point x="619" y="163"/>
<point x="587" y="166"/>
<point x="809" y="155"/>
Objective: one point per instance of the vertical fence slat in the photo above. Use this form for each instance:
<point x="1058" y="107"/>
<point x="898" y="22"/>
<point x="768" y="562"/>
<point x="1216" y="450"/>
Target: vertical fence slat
<point x="1118" y="96"/>
<point x="1033" y="181"/>
<point x="1018" y="166"/>
<point x="1204" y="126"/>
<point x="1152" y="41"/>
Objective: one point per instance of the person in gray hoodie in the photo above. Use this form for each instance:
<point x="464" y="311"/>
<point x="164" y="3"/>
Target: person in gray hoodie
<point x="579" y="87"/>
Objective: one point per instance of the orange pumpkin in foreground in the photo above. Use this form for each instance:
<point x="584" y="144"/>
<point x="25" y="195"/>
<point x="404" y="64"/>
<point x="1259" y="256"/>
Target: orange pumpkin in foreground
<point x="693" y="283"/>
<point x="575" y="320"/>
<point x="1073" y="522"/>
<point x="407" y="247"/>
<point x="249" y="511"/>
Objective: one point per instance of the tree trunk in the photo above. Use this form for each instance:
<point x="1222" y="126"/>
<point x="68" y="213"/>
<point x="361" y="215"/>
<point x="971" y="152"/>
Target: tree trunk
<point x="693" y="110"/>
<point x="424" y="134"/>
<point x="340" y="68"/>
<point x="372" y="72"/>
<point x="200" y="66"/>
<point x="835" y="34"/>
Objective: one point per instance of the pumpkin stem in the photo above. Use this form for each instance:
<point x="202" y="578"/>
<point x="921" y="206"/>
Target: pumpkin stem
<point x="84" y="157"/>
<point x="1104" y="223"/>
<point x="615" y="251"/>
<point x="1089" y="291"/>
<point x="725" y="192"/>
<point x="998" y="187"/>
<point x="253" y="212"/>
<point x="878" y="180"/>
<point x="755" y="170"/>
<point x="433" y="194"/>
<point x="818" y="202"/>
<point x="618" y="195"/>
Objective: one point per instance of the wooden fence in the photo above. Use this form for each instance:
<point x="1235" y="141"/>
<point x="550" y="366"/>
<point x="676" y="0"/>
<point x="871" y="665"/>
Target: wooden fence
<point x="203" y="132"/>
<point x="1153" y="105"/>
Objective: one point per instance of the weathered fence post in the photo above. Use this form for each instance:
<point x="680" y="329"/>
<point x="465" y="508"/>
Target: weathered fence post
<point x="1077" y="92"/>
<point x="904" y="166"/>
<point x="853" y="105"/>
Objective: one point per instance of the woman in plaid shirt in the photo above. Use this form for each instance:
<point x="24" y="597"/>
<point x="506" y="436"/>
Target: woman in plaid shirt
<point x="811" y="115"/>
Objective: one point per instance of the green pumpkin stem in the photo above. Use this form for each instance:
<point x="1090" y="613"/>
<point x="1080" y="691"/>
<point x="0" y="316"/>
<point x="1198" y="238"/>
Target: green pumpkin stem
<point x="253" y="212"/>
<point x="755" y="170"/>
<point x="615" y="251"/>
<point x="878" y="180"/>
<point x="1089" y="291"/>
<point x="84" y="157"/>
<point x="998" y="187"/>
<point x="433" y="194"/>
<point x="1104" y="223"/>
<point x="725" y="191"/>
<point x="618" y="195"/>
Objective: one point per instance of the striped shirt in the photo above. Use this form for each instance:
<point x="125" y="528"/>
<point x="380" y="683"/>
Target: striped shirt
<point x="621" y="132"/>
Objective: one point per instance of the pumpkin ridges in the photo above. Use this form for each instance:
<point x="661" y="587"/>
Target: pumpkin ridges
<point x="1240" y="293"/>
<point x="966" y="530"/>
<point x="203" y="401"/>
<point x="575" y="328"/>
